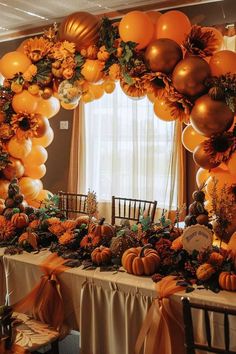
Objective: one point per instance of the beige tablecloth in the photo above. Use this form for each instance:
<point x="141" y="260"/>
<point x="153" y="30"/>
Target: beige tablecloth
<point x="107" y="307"/>
<point x="2" y="279"/>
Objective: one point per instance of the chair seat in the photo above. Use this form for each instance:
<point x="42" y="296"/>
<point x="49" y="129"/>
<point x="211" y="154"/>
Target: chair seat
<point x="31" y="334"/>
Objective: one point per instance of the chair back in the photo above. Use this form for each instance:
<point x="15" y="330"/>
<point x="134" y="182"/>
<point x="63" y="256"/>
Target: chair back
<point x="72" y="204"/>
<point x="131" y="209"/>
<point x="190" y="342"/>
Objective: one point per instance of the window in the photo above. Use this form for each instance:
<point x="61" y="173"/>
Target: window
<point x="128" y="150"/>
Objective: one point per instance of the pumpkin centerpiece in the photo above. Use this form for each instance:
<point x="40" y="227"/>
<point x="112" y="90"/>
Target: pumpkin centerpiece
<point x="98" y="233"/>
<point x="227" y="281"/>
<point x="101" y="255"/>
<point x="141" y="260"/>
<point x="205" y="271"/>
<point x="29" y="238"/>
<point x="20" y="220"/>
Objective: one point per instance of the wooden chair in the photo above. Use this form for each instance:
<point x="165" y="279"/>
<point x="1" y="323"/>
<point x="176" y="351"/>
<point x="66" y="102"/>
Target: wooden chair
<point x="190" y="342"/>
<point x="18" y="330"/>
<point x="72" y="204"/>
<point x="131" y="209"/>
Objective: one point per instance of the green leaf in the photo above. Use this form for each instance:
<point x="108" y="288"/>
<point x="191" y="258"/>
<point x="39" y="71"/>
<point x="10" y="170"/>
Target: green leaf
<point x="128" y="79"/>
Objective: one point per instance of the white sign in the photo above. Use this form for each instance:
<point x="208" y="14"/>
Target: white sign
<point x="197" y="237"/>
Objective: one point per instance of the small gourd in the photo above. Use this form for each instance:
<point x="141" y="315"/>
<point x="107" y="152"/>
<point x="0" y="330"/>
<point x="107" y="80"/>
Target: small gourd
<point x="227" y="281"/>
<point x="20" y="220"/>
<point x="101" y="255"/>
<point x="205" y="271"/>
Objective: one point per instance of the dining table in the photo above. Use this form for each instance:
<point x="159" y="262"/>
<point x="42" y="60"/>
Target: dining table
<point x="109" y="307"/>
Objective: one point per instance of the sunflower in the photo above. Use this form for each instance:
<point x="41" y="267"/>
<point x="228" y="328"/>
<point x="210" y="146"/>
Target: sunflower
<point x="200" y="42"/>
<point x="220" y="147"/>
<point x="159" y="83"/>
<point x="134" y="90"/>
<point x="37" y="48"/>
<point x="66" y="238"/>
<point x="180" y="106"/>
<point x="24" y="124"/>
<point x="6" y="131"/>
<point x="7" y="229"/>
<point x="62" y="50"/>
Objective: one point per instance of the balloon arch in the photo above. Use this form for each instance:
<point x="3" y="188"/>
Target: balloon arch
<point x="181" y="68"/>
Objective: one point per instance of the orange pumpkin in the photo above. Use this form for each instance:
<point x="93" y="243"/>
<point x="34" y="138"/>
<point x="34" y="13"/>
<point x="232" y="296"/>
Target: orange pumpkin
<point x="141" y="260"/>
<point x="101" y="255"/>
<point x="69" y="224"/>
<point x="205" y="271"/>
<point x="20" y="220"/>
<point x="30" y="238"/>
<point x="215" y="259"/>
<point x="227" y="281"/>
<point x="90" y="241"/>
<point x="103" y="230"/>
<point x="82" y="219"/>
<point x="177" y="244"/>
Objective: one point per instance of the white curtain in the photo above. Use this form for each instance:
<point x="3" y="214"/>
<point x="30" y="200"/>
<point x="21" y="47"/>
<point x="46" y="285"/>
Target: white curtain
<point x="230" y="43"/>
<point x="129" y="151"/>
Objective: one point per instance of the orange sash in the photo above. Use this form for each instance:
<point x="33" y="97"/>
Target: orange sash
<point x="44" y="302"/>
<point x="161" y="329"/>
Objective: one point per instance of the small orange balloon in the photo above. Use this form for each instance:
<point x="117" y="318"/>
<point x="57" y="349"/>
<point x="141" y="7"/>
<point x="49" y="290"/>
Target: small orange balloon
<point x="109" y="86"/>
<point x="136" y="26"/>
<point x="13" y="63"/>
<point x="48" y="108"/>
<point x="162" y="110"/>
<point x="223" y="62"/>
<point x="25" y="102"/>
<point x="173" y="25"/>
<point x="191" y="139"/>
<point x="37" y="156"/>
<point x="19" y="148"/>
<point x="202" y="176"/>
<point x="69" y="106"/>
<point x="35" y="171"/>
<point x="45" y="140"/>
<point x="29" y="187"/>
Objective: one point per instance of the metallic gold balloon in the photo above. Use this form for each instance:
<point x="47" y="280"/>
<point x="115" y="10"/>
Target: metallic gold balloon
<point x="202" y="159"/>
<point x="82" y="28"/>
<point x="189" y="76"/>
<point x="211" y="117"/>
<point x="162" y="55"/>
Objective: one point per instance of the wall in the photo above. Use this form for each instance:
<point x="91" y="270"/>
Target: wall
<point x="59" y="151"/>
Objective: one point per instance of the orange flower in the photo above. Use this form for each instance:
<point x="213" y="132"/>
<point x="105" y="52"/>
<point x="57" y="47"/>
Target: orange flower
<point x="30" y="72"/>
<point x="34" y="224"/>
<point x="66" y="238"/>
<point x="62" y="50"/>
<point x="6" y="131"/>
<point x="56" y="229"/>
<point x="53" y="220"/>
<point x="37" y="48"/>
<point x="7" y="229"/>
<point x="115" y="72"/>
<point x="24" y="124"/>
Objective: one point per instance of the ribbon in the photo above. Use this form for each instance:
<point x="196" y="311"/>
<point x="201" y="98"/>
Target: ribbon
<point x="44" y="302"/>
<point x="161" y="329"/>
<point x="15" y="349"/>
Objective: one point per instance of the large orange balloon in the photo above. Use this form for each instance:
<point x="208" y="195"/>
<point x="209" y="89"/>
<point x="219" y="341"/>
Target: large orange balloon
<point x="173" y="25"/>
<point x="25" y="102"/>
<point x="35" y="171"/>
<point x="202" y="158"/>
<point x="48" y="108"/>
<point x="19" y="148"/>
<point x="202" y="176"/>
<point x="29" y="187"/>
<point x="154" y="16"/>
<point x="82" y="28"/>
<point x="37" y="156"/>
<point x="45" y="140"/>
<point x="136" y="26"/>
<point x="4" y="184"/>
<point x="223" y="62"/>
<point x="92" y="70"/>
<point x="163" y="111"/>
<point x="13" y="63"/>
<point x="191" y="139"/>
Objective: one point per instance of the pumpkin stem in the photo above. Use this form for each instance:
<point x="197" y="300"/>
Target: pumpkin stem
<point x="148" y="245"/>
<point x="101" y="221"/>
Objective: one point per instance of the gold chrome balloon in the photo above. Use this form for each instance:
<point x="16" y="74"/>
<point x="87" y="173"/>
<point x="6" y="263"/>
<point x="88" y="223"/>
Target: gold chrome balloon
<point x="211" y="117"/>
<point x="202" y="158"/>
<point x="82" y="28"/>
<point x="189" y="76"/>
<point x="162" y="55"/>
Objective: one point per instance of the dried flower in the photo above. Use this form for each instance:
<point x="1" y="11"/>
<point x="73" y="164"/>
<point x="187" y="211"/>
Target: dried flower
<point x="37" y="48"/>
<point x="51" y="33"/>
<point x="62" y="50"/>
<point x="66" y="238"/>
<point x="91" y="204"/>
<point x="7" y="229"/>
<point x="115" y="71"/>
<point x="6" y="131"/>
<point x="56" y="229"/>
<point x="30" y="73"/>
<point x="24" y="124"/>
<point x="220" y="147"/>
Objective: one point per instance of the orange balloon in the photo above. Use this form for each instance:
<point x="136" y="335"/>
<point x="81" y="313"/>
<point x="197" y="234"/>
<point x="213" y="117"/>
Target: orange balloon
<point x="136" y="26"/>
<point x="69" y="106"/>
<point x="223" y="178"/>
<point x="232" y="164"/>
<point x="92" y="70"/>
<point x="19" y="148"/>
<point x="154" y="16"/>
<point x="173" y="25"/>
<point x="37" y="156"/>
<point x="109" y="86"/>
<point x="38" y="202"/>
<point x="13" y="63"/>
<point x="162" y="110"/>
<point x="97" y="91"/>
<point x="29" y="187"/>
<point x="35" y="171"/>
<point x="223" y="62"/>
<point x="4" y="184"/>
<point x="43" y="127"/>
<point x="21" y="46"/>
<point x="191" y="139"/>
<point x="25" y="102"/>
<point x="217" y="35"/>
<point x="48" y="108"/>
<point x="202" y="176"/>
<point x="45" y="140"/>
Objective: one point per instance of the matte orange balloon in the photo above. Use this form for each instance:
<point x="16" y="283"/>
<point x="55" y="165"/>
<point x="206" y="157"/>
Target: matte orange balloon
<point x="13" y="63"/>
<point x="232" y="165"/>
<point x="217" y="35"/>
<point x="4" y="184"/>
<point x="29" y="187"/>
<point x="191" y="139"/>
<point x="154" y="16"/>
<point x="223" y="62"/>
<point x="163" y="111"/>
<point x="25" y="102"/>
<point x="19" y="148"/>
<point x="69" y="106"/>
<point x="173" y="25"/>
<point x="45" y="140"/>
<point x="37" y="156"/>
<point x="35" y="171"/>
<point x="48" y="108"/>
<point x="202" y="176"/>
<point x="136" y="26"/>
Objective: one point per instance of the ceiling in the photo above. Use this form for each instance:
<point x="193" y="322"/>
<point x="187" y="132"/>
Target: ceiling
<point x="25" y="17"/>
